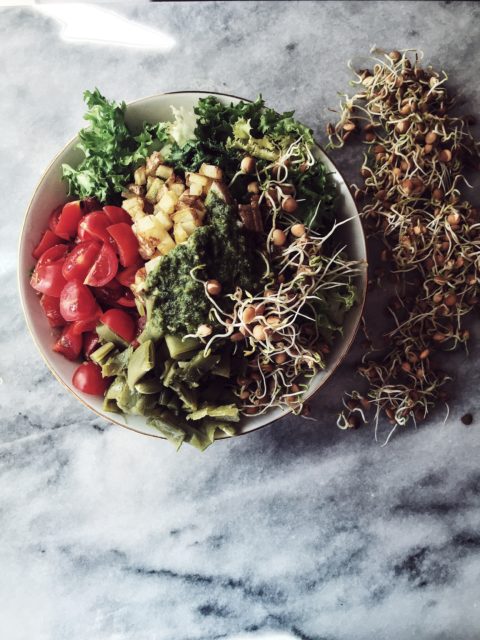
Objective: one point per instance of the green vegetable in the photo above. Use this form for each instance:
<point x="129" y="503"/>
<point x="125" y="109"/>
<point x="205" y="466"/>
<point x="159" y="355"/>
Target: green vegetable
<point x="107" y="335"/>
<point x="179" y="348"/>
<point x="149" y="387"/>
<point x="198" y="366"/>
<point x="167" y="423"/>
<point x="227" y="412"/>
<point x="225" y="253"/>
<point x="117" y="363"/>
<point x="102" y="352"/>
<point x="141" y="361"/>
<point x="111" y="150"/>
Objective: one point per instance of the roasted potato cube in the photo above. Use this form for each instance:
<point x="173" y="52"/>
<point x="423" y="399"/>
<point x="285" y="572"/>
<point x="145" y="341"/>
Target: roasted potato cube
<point x="211" y="171"/>
<point x="164" y="172"/>
<point x="168" y="201"/>
<point x="149" y="227"/>
<point x="153" y="163"/>
<point x="219" y="189"/>
<point x="153" y="190"/>
<point x="178" y="188"/>
<point x="179" y="233"/>
<point x="152" y="264"/>
<point x="196" y="189"/>
<point x="166" y="244"/>
<point x="196" y="178"/>
<point x="140" y="176"/>
<point x="164" y="218"/>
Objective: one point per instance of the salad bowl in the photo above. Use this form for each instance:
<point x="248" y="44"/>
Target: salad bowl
<point x="52" y="189"/>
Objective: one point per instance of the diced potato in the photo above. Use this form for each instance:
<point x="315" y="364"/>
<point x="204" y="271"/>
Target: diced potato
<point x="166" y="244"/>
<point x="178" y="188"/>
<point x="179" y="233"/>
<point x="152" y="264"/>
<point x="196" y="189"/>
<point x="167" y="202"/>
<point x="186" y="215"/>
<point x="153" y="190"/>
<point x="164" y="172"/>
<point x="211" y="171"/>
<point x="164" y="218"/>
<point x="150" y="179"/>
<point x="140" y="176"/>
<point x="206" y="188"/>
<point x="196" y="178"/>
<point x="153" y="163"/>
<point x="221" y="191"/>
<point x="134" y="206"/>
<point x="149" y="227"/>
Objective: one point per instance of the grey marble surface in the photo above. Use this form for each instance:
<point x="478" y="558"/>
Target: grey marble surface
<point x="297" y="531"/>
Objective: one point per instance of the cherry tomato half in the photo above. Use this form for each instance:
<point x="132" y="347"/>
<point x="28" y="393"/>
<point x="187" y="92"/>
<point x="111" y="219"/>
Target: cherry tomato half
<point x="108" y="294"/>
<point x="127" y="276"/>
<point x="48" y="278"/>
<point x="54" y="216"/>
<point x="126" y="242"/>
<point x="88" y="378"/>
<point x="90" y="343"/>
<point x="117" y="214"/>
<point x="47" y="241"/>
<point x="127" y="299"/>
<point x="51" y="307"/>
<point x="77" y="302"/>
<point x="57" y="253"/>
<point x="104" y="269"/>
<point x="69" y="344"/>
<point x="79" y="262"/>
<point x="85" y="326"/>
<point x="120" y="322"/>
<point x="67" y="222"/>
<point x="94" y="226"/>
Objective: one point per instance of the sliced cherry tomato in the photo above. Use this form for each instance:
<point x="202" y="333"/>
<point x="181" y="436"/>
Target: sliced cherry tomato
<point x="141" y="322"/>
<point x="127" y="299"/>
<point x="84" y="326"/>
<point x="54" y="216"/>
<point x="109" y="294"/>
<point x="90" y="342"/>
<point x="77" y="302"/>
<point x="127" y="276"/>
<point x="117" y="214"/>
<point x="120" y="322"/>
<point x="47" y="241"/>
<point x="68" y="220"/>
<point x="104" y="269"/>
<point x="57" y="253"/>
<point x="51" y="306"/>
<point x="126" y="241"/>
<point x="88" y="378"/>
<point x="94" y="226"/>
<point x="69" y="344"/>
<point x="48" y="278"/>
<point x="79" y="262"/>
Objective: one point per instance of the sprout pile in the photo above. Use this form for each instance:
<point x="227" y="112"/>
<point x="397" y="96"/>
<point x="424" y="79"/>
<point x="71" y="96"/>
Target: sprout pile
<point x="418" y="154"/>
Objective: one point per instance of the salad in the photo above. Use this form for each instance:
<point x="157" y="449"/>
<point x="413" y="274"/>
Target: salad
<point x="194" y="272"/>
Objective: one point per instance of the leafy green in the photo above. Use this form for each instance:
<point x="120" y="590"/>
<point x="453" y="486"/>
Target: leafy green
<point x="111" y="150"/>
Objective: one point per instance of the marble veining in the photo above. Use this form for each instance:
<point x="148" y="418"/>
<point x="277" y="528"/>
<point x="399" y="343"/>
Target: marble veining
<point x="296" y="531"/>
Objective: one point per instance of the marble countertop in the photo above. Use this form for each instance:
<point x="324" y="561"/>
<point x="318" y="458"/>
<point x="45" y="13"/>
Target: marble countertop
<point x="296" y="531"/>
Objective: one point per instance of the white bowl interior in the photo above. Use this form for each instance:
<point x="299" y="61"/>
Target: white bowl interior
<point x="52" y="190"/>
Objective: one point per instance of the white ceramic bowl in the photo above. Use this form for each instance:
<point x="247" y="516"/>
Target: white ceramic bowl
<point x="51" y="191"/>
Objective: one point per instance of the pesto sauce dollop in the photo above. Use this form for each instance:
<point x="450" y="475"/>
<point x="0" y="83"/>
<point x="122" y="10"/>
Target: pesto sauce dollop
<point x="178" y="301"/>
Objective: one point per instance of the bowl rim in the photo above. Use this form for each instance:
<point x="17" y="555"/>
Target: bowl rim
<point x="286" y="412"/>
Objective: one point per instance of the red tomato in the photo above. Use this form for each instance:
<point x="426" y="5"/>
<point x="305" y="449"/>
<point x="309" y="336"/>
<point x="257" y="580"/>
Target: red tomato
<point x="77" y="302"/>
<point x="127" y="276"/>
<point x="104" y="269"/>
<point x="79" y="262"/>
<point x="48" y="278"/>
<point x="117" y="214"/>
<point x="126" y="241"/>
<point x="57" y="253"/>
<point x="53" y="220"/>
<point x="47" y="241"/>
<point x="94" y="226"/>
<point x="84" y="326"/>
<point x="120" y="322"/>
<point x="109" y="294"/>
<point x="67" y="222"/>
<point x="69" y="344"/>
<point x="88" y="378"/>
<point x="90" y="342"/>
<point x="51" y="307"/>
<point x="127" y="299"/>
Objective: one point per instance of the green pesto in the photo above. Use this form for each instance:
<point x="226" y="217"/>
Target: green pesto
<point x="227" y="255"/>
